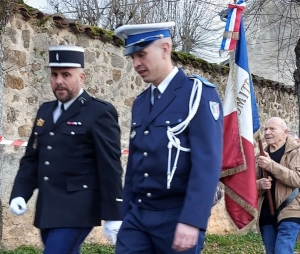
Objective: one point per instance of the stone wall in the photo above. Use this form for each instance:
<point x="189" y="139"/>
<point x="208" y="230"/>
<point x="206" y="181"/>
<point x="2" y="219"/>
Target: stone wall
<point x="110" y="76"/>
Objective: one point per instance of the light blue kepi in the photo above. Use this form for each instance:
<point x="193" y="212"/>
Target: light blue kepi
<point x="138" y="37"/>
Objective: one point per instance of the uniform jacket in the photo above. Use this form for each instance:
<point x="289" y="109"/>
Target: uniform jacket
<point x="75" y="165"/>
<point x="287" y="175"/>
<point x="194" y="183"/>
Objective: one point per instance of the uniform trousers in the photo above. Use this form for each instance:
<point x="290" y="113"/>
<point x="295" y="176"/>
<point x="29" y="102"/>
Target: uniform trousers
<point x="151" y="232"/>
<point x="63" y="240"/>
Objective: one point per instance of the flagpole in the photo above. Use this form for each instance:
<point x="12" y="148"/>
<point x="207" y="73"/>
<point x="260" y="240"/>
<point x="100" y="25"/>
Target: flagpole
<point x="265" y="175"/>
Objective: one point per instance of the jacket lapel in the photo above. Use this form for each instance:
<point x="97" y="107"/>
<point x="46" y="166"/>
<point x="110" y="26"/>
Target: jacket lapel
<point x="74" y="109"/>
<point x="167" y="97"/>
<point x="49" y="115"/>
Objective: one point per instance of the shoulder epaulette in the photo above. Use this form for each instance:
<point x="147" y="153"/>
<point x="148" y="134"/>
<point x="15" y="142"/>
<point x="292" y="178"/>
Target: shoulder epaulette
<point x="204" y="81"/>
<point x="99" y="100"/>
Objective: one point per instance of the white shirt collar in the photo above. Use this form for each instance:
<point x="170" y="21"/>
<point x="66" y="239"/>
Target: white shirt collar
<point x="69" y="103"/>
<point x="164" y="84"/>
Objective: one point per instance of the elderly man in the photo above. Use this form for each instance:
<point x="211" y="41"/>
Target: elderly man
<point x="282" y="163"/>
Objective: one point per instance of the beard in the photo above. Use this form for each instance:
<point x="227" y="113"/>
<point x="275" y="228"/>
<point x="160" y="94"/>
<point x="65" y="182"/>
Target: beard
<point x="63" y="94"/>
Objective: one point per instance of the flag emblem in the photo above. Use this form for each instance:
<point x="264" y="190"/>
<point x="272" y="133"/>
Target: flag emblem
<point x="214" y="109"/>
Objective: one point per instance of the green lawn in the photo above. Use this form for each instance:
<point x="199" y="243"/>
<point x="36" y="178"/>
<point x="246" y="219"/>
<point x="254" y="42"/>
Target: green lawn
<point x="233" y="244"/>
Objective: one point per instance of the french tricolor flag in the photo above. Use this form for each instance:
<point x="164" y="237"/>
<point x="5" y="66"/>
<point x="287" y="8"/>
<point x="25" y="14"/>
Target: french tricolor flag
<point x="232" y="26"/>
<point x="241" y="121"/>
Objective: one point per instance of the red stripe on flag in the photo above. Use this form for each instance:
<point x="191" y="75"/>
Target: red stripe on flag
<point x="239" y="214"/>
<point x="232" y="150"/>
<point x="243" y="184"/>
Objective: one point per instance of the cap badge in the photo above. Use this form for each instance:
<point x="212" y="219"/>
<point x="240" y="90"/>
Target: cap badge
<point x="57" y="57"/>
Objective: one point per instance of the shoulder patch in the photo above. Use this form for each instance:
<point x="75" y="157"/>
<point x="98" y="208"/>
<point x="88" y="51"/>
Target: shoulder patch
<point x="203" y="80"/>
<point x="99" y="100"/>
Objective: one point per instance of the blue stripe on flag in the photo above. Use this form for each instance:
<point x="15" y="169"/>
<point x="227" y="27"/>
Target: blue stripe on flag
<point x="241" y="59"/>
<point x="226" y="29"/>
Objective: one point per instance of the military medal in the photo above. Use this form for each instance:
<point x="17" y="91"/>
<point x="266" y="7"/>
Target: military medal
<point x="74" y="123"/>
<point x="40" y="122"/>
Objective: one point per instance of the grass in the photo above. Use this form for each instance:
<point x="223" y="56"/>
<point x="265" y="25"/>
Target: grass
<point x="234" y="244"/>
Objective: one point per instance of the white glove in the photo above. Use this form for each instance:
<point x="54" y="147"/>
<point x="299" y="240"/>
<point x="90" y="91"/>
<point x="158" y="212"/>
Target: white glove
<point x="18" y="206"/>
<point x="111" y="229"/>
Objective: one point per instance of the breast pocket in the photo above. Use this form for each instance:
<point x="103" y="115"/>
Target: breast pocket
<point x="170" y="119"/>
<point x="135" y="128"/>
<point x="74" y="135"/>
<point x="37" y="137"/>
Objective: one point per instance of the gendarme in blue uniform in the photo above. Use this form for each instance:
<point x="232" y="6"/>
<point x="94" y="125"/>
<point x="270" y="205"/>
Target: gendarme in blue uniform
<point x="156" y="197"/>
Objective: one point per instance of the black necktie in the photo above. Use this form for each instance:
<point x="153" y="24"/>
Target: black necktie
<point x="156" y="94"/>
<point x="62" y="107"/>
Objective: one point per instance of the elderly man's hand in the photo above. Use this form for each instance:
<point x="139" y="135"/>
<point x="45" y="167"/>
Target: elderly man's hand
<point x="264" y="161"/>
<point x="265" y="183"/>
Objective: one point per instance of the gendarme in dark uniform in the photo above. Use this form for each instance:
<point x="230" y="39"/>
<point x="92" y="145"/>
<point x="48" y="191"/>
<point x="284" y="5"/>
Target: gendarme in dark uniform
<point x="175" y="151"/>
<point x="72" y="158"/>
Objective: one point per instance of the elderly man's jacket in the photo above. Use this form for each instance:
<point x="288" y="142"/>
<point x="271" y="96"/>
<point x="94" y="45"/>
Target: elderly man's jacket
<point x="287" y="174"/>
<point x="75" y="165"/>
<point x="196" y="177"/>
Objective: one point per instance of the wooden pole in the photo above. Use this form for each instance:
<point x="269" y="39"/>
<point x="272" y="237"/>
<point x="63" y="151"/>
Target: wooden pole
<point x="265" y="175"/>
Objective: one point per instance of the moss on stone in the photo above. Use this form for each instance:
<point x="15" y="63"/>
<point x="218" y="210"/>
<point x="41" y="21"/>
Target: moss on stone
<point x="44" y="20"/>
<point x="189" y="59"/>
<point x="96" y="30"/>
<point x="28" y="7"/>
<point x="109" y="34"/>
